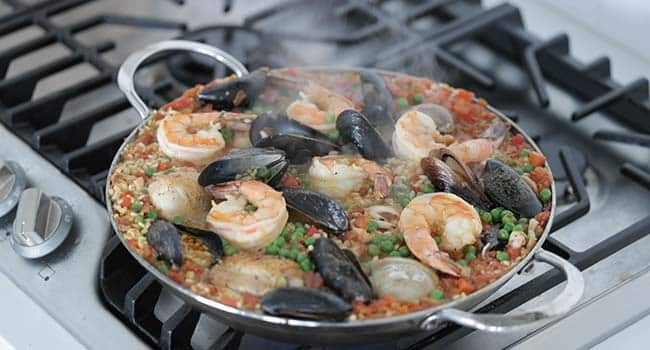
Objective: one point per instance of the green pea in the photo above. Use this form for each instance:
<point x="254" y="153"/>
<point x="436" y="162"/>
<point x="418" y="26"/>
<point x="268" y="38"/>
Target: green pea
<point x="394" y="253"/>
<point x="469" y="256"/>
<point x="299" y="226"/>
<point x="502" y="256"/>
<point x="285" y="233"/>
<point x="517" y="228"/>
<point x="372" y="226"/>
<point x="262" y="172"/>
<point x="331" y="118"/>
<point x="297" y="235"/>
<point x="399" y="238"/>
<point x="150" y="171"/>
<point x="136" y="207"/>
<point x="309" y="241"/>
<point x="334" y="135"/>
<point x="507" y="212"/>
<point x="438" y="239"/>
<point x="496" y="214"/>
<point x="178" y="220"/>
<point x="404" y="202"/>
<point x="293" y="254"/>
<point x="139" y="219"/>
<point x="504" y="234"/>
<point x="229" y="249"/>
<point x="306" y="265"/>
<point x="545" y="195"/>
<point x="418" y="98"/>
<point x="163" y="267"/>
<point x="527" y="168"/>
<point x="387" y="246"/>
<point x="509" y="226"/>
<point x="523" y="221"/>
<point x="280" y="241"/>
<point x="508" y="219"/>
<point x="272" y="249"/>
<point x="226" y="133"/>
<point x="403" y="251"/>
<point x="250" y="207"/>
<point x="373" y="250"/>
<point x="519" y="171"/>
<point x="524" y="153"/>
<point x="152" y="214"/>
<point x="487" y="217"/>
<point x="402" y="102"/>
<point x="437" y="294"/>
<point x="428" y="188"/>
<point x="470" y="249"/>
<point x="378" y="239"/>
<point x="284" y="252"/>
<point x="462" y="262"/>
<point x="301" y="257"/>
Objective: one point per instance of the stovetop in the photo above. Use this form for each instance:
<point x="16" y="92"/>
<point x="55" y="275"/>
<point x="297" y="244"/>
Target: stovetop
<point x="65" y="137"/>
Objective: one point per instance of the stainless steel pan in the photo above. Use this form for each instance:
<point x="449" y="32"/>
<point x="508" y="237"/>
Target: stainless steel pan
<point x="369" y="331"/>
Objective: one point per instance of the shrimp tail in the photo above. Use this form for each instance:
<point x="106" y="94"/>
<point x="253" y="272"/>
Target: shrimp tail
<point x="222" y="191"/>
<point x="381" y="184"/>
<point x="442" y="262"/>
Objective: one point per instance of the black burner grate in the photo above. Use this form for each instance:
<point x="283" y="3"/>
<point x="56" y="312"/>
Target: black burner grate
<point x="396" y="38"/>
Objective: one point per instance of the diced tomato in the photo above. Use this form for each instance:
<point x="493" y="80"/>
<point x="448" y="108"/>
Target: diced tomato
<point x="146" y="139"/>
<point x="249" y="300"/>
<point x="140" y="174"/>
<point x="158" y="116"/>
<point x="465" y="286"/>
<point x="229" y="301"/>
<point x="164" y="166"/>
<point x="147" y="252"/>
<point x="312" y="230"/>
<point x="517" y="139"/>
<point x="126" y="200"/>
<point x="180" y="103"/>
<point x="362" y="221"/>
<point x="176" y="276"/>
<point x="514" y="252"/>
<point x="132" y="243"/>
<point x="543" y="216"/>
<point x="541" y="177"/>
<point x="290" y="181"/>
<point x="536" y="159"/>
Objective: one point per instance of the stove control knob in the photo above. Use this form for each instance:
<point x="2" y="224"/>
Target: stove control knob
<point x="42" y="223"/>
<point x="12" y="184"/>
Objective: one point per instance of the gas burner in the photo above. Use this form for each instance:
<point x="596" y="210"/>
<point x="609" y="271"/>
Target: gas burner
<point x="249" y="46"/>
<point x="552" y="151"/>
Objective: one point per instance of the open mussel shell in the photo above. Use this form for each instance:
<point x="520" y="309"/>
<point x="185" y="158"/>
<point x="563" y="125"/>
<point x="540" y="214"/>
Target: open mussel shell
<point x="299" y="149"/>
<point x="246" y="161"/>
<point x="506" y="188"/>
<point x="305" y="303"/>
<point x="355" y="128"/>
<point x="266" y="125"/>
<point x="448" y="174"/>
<point x="165" y="238"/>
<point x="375" y="91"/>
<point x="339" y="272"/>
<point x="317" y="208"/>
<point x="239" y="92"/>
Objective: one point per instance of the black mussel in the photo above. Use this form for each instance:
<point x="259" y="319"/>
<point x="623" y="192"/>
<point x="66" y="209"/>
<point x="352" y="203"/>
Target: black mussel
<point x="339" y="272"/>
<point x="318" y="208"/>
<point x="300" y="149"/>
<point x="165" y="239"/>
<point x="381" y="120"/>
<point x="266" y="164"/>
<point x="353" y="259"/>
<point x="265" y="125"/>
<point x="355" y="128"/>
<point x="305" y="303"/>
<point x="448" y="174"/>
<point x="375" y="92"/>
<point x="491" y="240"/>
<point x="506" y="188"/>
<point x="240" y="92"/>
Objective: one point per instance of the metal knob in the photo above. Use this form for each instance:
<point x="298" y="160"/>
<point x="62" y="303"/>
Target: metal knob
<point x="41" y="225"/>
<point x="12" y="184"/>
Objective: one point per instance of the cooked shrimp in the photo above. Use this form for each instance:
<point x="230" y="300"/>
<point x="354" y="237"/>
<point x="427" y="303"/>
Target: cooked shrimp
<point x="319" y="107"/>
<point x="197" y="137"/>
<point x="416" y="135"/>
<point x="453" y="219"/>
<point x="473" y="151"/>
<point x="179" y="194"/>
<point x="337" y="176"/>
<point x="252" y="215"/>
<point x="255" y="273"/>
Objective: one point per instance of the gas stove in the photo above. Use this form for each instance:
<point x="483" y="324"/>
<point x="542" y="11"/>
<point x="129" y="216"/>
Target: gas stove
<point x="63" y="119"/>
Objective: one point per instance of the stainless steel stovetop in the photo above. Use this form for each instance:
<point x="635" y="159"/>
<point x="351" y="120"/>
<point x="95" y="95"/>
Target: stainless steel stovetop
<point x="55" y="300"/>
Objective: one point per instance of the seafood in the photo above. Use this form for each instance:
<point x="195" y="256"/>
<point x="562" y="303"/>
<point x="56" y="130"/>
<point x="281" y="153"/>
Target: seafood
<point x="506" y="188"/>
<point x="237" y="92"/>
<point x="449" y="174"/>
<point x="378" y="102"/>
<point x="339" y="272"/>
<point x="317" y="208"/>
<point x="454" y="220"/>
<point x="416" y="134"/>
<point x="251" y="216"/>
<point x="165" y="239"/>
<point x="266" y="126"/>
<point x="356" y="129"/>
<point x="440" y="115"/>
<point x="306" y="303"/>
<point x="385" y="216"/>
<point x="255" y="273"/>
<point x="473" y="151"/>
<point x="265" y="164"/>
<point x="178" y="195"/>
<point x="337" y="176"/>
<point x="319" y="107"/>
<point x="406" y="279"/>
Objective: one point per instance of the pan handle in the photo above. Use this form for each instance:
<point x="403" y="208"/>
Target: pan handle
<point x="125" y="76"/>
<point x="564" y="302"/>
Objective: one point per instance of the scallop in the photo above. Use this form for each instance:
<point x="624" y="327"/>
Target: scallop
<point x="404" y="278"/>
<point x="179" y="194"/>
